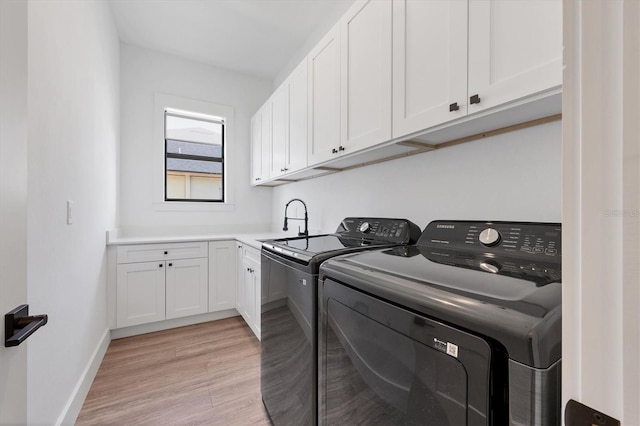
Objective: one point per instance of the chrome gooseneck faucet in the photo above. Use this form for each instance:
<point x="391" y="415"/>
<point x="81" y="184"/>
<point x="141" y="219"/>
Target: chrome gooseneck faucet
<point x="306" y="218"/>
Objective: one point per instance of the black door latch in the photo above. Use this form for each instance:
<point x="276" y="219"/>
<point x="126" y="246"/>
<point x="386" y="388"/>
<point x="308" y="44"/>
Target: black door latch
<point x="18" y="325"/>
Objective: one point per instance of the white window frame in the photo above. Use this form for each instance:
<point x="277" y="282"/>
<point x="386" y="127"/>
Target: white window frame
<point x="162" y="102"/>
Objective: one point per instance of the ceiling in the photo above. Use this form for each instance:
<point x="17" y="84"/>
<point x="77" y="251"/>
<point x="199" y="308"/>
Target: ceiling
<point x="254" y="37"/>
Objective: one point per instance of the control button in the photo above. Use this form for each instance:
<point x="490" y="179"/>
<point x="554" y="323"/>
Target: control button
<point x="489" y="237"/>
<point x="364" y="227"/>
<point x="490" y="266"/>
<point x="538" y="250"/>
<point x="551" y="251"/>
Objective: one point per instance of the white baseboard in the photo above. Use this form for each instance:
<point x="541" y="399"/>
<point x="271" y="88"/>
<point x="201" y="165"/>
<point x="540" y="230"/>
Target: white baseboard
<point x="119" y="333"/>
<point x="80" y="391"/>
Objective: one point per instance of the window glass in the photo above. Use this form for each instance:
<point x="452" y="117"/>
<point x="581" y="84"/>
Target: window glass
<point x="194" y="157"/>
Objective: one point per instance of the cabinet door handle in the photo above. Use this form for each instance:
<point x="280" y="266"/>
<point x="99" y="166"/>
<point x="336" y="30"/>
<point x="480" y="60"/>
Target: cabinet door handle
<point x="171" y="264"/>
<point x="160" y="265"/>
<point x="341" y="148"/>
<point x="166" y="252"/>
<point x="334" y="151"/>
<point x="475" y="99"/>
<point x="454" y="107"/>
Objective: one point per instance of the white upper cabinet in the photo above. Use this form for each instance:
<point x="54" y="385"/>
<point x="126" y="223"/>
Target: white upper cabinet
<point x="455" y="58"/>
<point x="261" y="144"/>
<point x="392" y="70"/>
<point x="430" y="63"/>
<point x="289" y="124"/>
<point x="265" y="139"/>
<point x="515" y="49"/>
<point x="365" y="75"/>
<point x="296" y="158"/>
<point x="256" y="148"/>
<point x="324" y="98"/>
<point x="280" y="130"/>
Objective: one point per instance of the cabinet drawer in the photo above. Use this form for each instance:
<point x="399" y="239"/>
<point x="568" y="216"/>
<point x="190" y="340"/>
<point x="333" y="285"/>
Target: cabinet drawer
<point x="252" y="254"/>
<point x="151" y="252"/>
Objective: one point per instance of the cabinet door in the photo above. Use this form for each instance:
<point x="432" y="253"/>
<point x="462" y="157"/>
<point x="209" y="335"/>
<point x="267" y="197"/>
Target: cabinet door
<point x="240" y="278"/>
<point x="280" y="130"/>
<point x="297" y="147"/>
<point x="515" y="49"/>
<point x="256" y="148"/>
<point x="324" y="98"/>
<point x="265" y="140"/>
<point x="140" y="293"/>
<point x="187" y="287"/>
<point x="257" y="318"/>
<point x="365" y="74"/>
<point x="222" y="275"/>
<point x="249" y="309"/>
<point x="430" y="63"/>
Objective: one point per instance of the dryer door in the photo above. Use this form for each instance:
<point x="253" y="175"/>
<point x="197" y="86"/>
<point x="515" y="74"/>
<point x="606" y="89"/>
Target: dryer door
<point x="381" y="364"/>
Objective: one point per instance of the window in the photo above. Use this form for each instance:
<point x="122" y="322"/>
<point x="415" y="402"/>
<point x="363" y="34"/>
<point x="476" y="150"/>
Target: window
<point x="194" y="157"/>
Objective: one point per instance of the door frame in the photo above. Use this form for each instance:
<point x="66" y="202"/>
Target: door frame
<point x="13" y="201"/>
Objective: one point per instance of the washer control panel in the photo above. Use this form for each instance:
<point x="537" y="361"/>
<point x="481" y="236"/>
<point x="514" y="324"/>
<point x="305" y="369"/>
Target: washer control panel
<point x="530" y="239"/>
<point x="400" y="231"/>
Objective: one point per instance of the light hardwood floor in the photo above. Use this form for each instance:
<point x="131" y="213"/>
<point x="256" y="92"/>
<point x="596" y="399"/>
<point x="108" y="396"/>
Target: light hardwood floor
<point x="204" y="374"/>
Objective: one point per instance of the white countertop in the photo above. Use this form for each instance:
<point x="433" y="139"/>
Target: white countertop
<point x="251" y="239"/>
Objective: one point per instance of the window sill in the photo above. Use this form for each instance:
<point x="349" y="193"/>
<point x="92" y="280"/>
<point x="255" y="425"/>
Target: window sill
<point x="192" y="206"/>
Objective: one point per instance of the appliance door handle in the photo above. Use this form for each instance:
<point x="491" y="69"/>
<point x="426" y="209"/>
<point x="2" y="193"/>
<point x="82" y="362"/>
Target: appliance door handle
<point x="18" y="325"/>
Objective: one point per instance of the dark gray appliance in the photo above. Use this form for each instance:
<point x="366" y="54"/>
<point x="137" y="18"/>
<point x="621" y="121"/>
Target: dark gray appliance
<point x="289" y="311"/>
<point x="462" y="328"/>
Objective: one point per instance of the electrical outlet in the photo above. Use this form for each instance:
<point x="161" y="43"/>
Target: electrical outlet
<point x="70" y="205"/>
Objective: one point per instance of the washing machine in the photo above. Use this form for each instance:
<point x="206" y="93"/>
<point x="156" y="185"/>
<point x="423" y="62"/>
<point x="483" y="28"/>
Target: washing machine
<point x="288" y="360"/>
<point x="463" y="328"/>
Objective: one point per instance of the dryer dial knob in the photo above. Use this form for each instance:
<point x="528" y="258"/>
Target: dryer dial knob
<point x="490" y="266"/>
<point x="365" y="227"/>
<point x="489" y="237"/>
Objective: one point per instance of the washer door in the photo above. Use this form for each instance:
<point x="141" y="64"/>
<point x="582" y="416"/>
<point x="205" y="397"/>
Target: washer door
<point x="381" y="364"/>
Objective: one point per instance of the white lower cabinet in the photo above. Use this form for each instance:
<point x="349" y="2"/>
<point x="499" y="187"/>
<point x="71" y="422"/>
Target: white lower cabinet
<point x="240" y="278"/>
<point x="157" y="282"/>
<point x="140" y="293"/>
<point x="167" y="286"/>
<point x="222" y="275"/>
<point x="248" y="295"/>
<point x="187" y="287"/>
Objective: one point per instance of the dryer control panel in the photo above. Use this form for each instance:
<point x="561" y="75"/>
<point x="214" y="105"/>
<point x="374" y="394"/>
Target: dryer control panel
<point x="530" y="239"/>
<point x="524" y="250"/>
<point x="397" y="231"/>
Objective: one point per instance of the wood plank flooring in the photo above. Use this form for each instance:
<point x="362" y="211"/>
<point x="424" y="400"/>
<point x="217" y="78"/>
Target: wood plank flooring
<point x="204" y="374"/>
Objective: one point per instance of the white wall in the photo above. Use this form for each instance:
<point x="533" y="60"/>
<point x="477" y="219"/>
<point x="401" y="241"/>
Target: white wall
<point x="73" y="115"/>
<point x="514" y="176"/>
<point x="145" y="73"/>
<point x="13" y="202"/>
